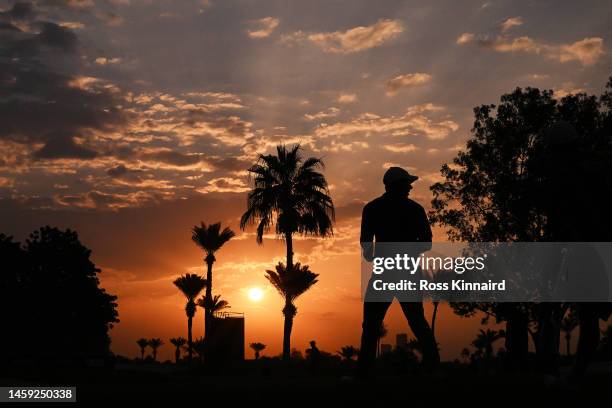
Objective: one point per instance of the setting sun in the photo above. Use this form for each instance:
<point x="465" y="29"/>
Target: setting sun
<point x="256" y="294"/>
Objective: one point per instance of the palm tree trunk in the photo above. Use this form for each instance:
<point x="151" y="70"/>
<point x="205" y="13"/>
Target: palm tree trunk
<point x="287" y="336"/>
<point x="433" y="319"/>
<point x="289" y="240"/>
<point x="208" y="299"/>
<point x="568" y="337"/>
<point x="189" y="340"/>
<point x="142" y="353"/>
<point x="177" y="355"/>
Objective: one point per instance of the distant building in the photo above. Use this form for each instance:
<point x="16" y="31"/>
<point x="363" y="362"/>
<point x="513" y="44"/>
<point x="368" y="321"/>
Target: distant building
<point x="227" y="337"/>
<point x="401" y="341"/>
<point x="386" y="349"/>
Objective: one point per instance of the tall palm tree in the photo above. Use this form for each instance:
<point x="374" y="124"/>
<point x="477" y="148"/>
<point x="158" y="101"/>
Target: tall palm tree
<point x="155" y="344"/>
<point x="290" y="192"/>
<point x="568" y="325"/>
<point x="142" y="343"/>
<point x="257" y="348"/>
<point x="190" y="285"/>
<point x="210" y="238"/>
<point x="177" y="342"/>
<point x="290" y="282"/>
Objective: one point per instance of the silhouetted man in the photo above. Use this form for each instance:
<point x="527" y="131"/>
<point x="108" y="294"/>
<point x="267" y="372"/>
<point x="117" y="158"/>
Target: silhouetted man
<point x="393" y="217"/>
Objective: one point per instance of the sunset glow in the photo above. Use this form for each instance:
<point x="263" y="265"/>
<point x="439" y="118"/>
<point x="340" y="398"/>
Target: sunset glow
<point x="256" y="294"/>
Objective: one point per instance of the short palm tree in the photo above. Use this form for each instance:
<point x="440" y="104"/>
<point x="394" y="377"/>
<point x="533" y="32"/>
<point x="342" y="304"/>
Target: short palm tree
<point x="190" y="285"/>
<point x="290" y="282"/>
<point x="155" y="344"/>
<point x="290" y="192"/>
<point x="210" y="238"/>
<point x="485" y="339"/>
<point x="257" y="348"/>
<point x="348" y="352"/>
<point x="218" y="304"/>
<point x="568" y="325"/>
<point x="142" y="343"/>
<point x="177" y="342"/>
<point x="199" y="346"/>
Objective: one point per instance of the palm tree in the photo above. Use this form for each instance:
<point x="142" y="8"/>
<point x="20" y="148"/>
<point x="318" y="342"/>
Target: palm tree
<point x="142" y="343"/>
<point x="290" y="192"/>
<point x="290" y="282"/>
<point x="568" y="324"/>
<point x="155" y="344"/>
<point x="348" y="352"/>
<point x="190" y="285"/>
<point x="485" y="339"/>
<point x="257" y="348"/>
<point x="218" y="304"/>
<point x="210" y="238"/>
<point x="199" y="346"/>
<point x="177" y="342"/>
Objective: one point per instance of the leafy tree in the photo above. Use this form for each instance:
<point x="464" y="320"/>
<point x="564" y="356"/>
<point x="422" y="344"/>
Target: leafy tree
<point x="50" y="285"/>
<point x="155" y="343"/>
<point x="504" y="186"/>
<point x="143" y="344"/>
<point x="289" y="192"/>
<point x="178" y="342"/>
<point x="257" y="348"/>
<point x="290" y="282"/>
<point x="190" y="285"/>
<point x="210" y="238"/>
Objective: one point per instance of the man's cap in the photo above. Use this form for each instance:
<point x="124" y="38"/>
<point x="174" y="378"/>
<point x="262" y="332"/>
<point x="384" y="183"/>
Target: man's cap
<point x="395" y="174"/>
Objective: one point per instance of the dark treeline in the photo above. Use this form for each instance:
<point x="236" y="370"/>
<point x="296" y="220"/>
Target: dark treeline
<point x="51" y="303"/>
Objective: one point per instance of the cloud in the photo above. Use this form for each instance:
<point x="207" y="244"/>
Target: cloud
<point x="400" y="147"/>
<point x="414" y="122"/>
<point x="347" y="98"/>
<point x="509" y="23"/>
<point x="107" y="61"/>
<point x="586" y="51"/>
<point x="353" y="40"/>
<point x="81" y="105"/>
<point x="328" y="113"/>
<point x="224" y="185"/>
<point x="465" y="38"/>
<point x="406" y="81"/>
<point x="265" y="27"/>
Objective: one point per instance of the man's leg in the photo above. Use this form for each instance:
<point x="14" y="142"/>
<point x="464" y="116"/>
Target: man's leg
<point x="373" y="316"/>
<point x="415" y="314"/>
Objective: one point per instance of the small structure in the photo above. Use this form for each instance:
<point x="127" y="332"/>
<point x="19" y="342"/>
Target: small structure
<point x="227" y="337"/>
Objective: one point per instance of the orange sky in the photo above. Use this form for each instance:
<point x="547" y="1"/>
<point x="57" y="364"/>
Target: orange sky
<point x="132" y="121"/>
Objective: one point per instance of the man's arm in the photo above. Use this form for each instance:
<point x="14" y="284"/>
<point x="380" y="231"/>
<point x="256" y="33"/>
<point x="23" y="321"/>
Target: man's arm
<point x="367" y="234"/>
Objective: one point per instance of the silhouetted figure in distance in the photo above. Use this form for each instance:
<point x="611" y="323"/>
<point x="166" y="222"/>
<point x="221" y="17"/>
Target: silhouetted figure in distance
<point x="393" y="217"/>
